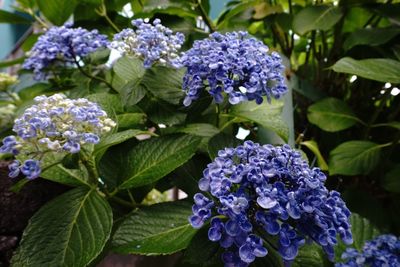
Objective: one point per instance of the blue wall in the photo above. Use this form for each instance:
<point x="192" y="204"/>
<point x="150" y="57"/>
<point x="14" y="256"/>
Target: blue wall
<point x="6" y="33"/>
<point x="216" y="7"/>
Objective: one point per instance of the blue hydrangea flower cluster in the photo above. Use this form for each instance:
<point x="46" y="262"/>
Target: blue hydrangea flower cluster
<point x="234" y="64"/>
<point x="62" y="46"/>
<point x="54" y="124"/>
<point x="151" y="42"/>
<point x="384" y="250"/>
<point x="262" y="190"/>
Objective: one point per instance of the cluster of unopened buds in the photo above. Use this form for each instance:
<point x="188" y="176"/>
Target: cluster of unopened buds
<point x="261" y="190"/>
<point x="154" y="43"/>
<point x="53" y="124"/>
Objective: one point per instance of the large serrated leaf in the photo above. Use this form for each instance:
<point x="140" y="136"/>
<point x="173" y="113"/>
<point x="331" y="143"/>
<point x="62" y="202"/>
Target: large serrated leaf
<point x="71" y="230"/>
<point x="129" y="69"/>
<point x="362" y="231"/>
<point x="53" y="170"/>
<point x="199" y="129"/>
<point x="155" y="158"/>
<point x="354" y="157"/>
<point x="321" y="17"/>
<point x="57" y="11"/>
<point x="332" y="115"/>
<point x="115" y="139"/>
<point x="268" y="115"/>
<point x="110" y="103"/>
<point x="378" y="69"/>
<point x="158" y="229"/>
<point x="130" y="120"/>
<point x="164" y="83"/>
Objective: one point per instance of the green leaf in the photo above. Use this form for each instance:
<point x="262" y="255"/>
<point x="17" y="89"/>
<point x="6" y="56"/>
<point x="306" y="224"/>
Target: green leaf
<point x="221" y="141"/>
<point x="319" y="17"/>
<point x="362" y="231"/>
<point x="36" y="89"/>
<point x="155" y="230"/>
<point x="26" y="3"/>
<point x="53" y="170"/>
<point x="9" y="17"/>
<point x="199" y="129"/>
<point x="378" y="69"/>
<point x="130" y="120"/>
<point x="203" y="252"/>
<point x="8" y="63"/>
<point x="313" y="146"/>
<point x="371" y="37"/>
<point x="187" y="176"/>
<point x="267" y="115"/>
<point x="115" y="139"/>
<point x="354" y="157"/>
<point x="392" y="124"/>
<point x="70" y="230"/>
<point x="391" y="180"/>
<point x="132" y="93"/>
<point x="332" y="115"/>
<point x="129" y="69"/>
<point x="110" y="103"/>
<point x="58" y="11"/>
<point x="165" y="83"/>
<point x="238" y="8"/>
<point x="311" y="256"/>
<point x="153" y="159"/>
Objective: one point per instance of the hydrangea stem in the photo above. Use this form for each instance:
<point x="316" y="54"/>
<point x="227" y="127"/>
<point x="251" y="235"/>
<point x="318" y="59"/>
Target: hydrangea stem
<point x="218" y="111"/>
<point x="95" y="77"/>
<point x="205" y="17"/>
<point x="102" y="11"/>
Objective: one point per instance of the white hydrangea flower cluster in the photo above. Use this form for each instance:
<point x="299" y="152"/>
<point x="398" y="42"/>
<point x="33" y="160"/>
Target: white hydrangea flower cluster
<point x="154" y="43"/>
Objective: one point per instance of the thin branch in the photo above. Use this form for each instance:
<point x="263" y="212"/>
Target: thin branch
<point x="205" y="17"/>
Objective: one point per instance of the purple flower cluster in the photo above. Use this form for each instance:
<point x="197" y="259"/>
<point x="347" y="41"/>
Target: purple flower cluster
<point x="234" y="64"/>
<point x="263" y="191"/>
<point x="151" y="42"/>
<point x="54" y="124"/>
<point x="62" y="45"/>
<point x="384" y="250"/>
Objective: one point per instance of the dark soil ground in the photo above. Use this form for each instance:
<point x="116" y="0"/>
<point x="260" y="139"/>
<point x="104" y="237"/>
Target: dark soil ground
<point x="17" y="208"/>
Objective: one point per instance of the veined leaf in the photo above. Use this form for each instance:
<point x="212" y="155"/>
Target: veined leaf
<point x="58" y="11"/>
<point x="70" y="230"/>
<point x="115" y="139"/>
<point x="354" y="157"/>
<point x="378" y="69"/>
<point x="267" y="115"/>
<point x="153" y="159"/>
<point x="155" y="230"/>
<point x="321" y="17"/>
<point x="332" y="115"/>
